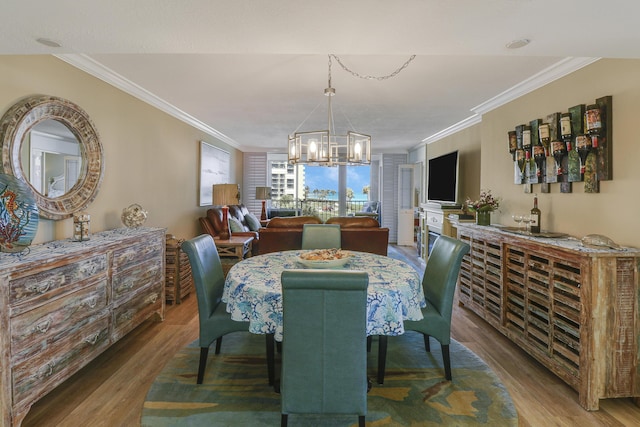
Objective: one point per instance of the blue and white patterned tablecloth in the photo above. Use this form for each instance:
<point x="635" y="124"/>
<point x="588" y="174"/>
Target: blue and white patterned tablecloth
<point x="253" y="292"/>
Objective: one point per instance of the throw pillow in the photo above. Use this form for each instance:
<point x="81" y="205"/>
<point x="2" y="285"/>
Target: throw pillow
<point x="252" y="221"/>
<point x="235" y="225"/>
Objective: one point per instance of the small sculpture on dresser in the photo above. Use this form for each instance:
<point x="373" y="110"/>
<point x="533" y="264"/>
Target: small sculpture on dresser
<point x="133" y="216"/>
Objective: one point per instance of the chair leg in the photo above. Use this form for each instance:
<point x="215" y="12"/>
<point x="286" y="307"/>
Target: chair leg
<point x="283" y="420"/>
<point x="447" y="362"/>
<point x="361" y="421"/>
<point x="204" y="352"/>
<point x="270" y="358"/>
<point x="218" y="345"/>
<point x="382" y="357"/>
<point x="427" y="346"/>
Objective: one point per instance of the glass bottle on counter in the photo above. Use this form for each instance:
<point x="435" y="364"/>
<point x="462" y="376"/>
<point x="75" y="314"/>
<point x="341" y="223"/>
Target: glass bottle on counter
<point x="534" y="224"/>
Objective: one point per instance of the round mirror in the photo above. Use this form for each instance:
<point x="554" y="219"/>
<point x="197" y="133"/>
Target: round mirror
<point x="51" y="144"/>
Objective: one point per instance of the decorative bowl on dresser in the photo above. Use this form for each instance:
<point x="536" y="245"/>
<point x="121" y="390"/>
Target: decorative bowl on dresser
<point x="64" y="303"/>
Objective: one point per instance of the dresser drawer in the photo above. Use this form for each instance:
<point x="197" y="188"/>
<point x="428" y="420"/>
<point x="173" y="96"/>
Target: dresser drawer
<point x="38" y="329"/>
<point x="34" y="377"/>
<point x="434" y="220"/>
<point x="44" y="285"/>
<point x="126" y="283"/>
<point x="131" y="313"/>
<point x="136" y="254"/>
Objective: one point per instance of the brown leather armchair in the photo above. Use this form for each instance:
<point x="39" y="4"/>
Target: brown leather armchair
<point x="212" y="224"/>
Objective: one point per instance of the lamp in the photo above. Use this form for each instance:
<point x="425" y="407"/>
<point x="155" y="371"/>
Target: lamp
<point x="224" y="195"/>
<point x="325" y="147"/>
<point x="264" y="194"/>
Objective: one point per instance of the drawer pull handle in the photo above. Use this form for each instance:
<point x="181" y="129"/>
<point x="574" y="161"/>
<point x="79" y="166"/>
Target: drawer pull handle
<point x="40" y="288"/>
<point x="153" y="298"/>
<point x="92" y="340"/>
<point x="126" y="316"/>
<point x="44" y="326"/>
<point x="47" y="371"/>
<point x="92" y="302"/>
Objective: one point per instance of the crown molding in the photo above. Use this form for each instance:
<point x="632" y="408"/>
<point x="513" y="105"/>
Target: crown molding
<point x="554" y="72"/>
<point x="463" y="124"/>
<point x="88" y="65"/>
<point x="538" y="80"/>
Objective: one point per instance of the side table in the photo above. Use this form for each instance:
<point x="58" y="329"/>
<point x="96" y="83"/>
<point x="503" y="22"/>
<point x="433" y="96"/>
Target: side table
<point x="235" y="247"/>
<point x="233" y="250"/>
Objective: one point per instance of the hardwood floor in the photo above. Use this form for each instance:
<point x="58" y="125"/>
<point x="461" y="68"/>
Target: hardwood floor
<point x="110" y="391"/>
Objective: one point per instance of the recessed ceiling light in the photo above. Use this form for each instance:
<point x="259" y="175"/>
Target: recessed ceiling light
<point x="48" y="42"/>
<point x="517" y="44"/>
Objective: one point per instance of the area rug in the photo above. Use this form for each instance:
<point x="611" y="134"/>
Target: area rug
<point x="235" y="390"/>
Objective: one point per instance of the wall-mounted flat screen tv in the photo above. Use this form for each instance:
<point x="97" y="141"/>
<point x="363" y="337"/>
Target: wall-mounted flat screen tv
<point x="442" y="181"/>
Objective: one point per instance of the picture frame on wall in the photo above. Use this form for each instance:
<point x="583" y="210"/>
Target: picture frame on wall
<point x="214" y="169"/>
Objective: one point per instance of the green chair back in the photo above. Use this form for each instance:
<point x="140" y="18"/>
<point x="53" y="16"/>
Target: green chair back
<point x="324" y="361"/>
<point x="321" y="236"/>
<point x="208" y="279"/>
<point x="441" y="274"/>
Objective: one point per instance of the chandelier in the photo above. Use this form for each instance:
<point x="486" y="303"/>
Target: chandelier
<point x="325" y="148"/>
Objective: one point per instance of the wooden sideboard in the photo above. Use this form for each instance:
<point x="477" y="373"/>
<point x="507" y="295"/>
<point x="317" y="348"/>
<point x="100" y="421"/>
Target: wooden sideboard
<point x="64" y="302"/>
<point x="574" y="309"/>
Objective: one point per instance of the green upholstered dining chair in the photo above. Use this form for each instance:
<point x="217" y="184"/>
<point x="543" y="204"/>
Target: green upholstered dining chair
<point x="321" y="236"/>
<point x="324" y="357"/>
<point x="439" y="284"/>
<point x="208" y="279"/>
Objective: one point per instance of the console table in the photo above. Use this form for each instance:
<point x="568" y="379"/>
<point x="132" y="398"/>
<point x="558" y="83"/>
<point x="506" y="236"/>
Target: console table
<point x="574" y="309"/>
<point x="63" y="303"/>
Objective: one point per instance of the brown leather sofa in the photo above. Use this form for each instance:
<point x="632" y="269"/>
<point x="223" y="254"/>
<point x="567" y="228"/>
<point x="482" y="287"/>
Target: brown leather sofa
<point x="361" y="233"/>
<point x="212" y="224"/>
<point x="357" y="234"/>
<point x="284" y="233"/>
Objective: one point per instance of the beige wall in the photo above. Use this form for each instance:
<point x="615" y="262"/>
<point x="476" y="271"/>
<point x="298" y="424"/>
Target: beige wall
<point x="151" y="158"/>
<point x="613" y="211"/>
<point x="467" y="142"/>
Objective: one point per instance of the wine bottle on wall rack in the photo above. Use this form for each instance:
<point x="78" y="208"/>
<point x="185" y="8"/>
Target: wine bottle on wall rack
<point x="593" y="123"/>
<point x="535" y="216"/>
<point x="513" y="143"/>
<point x="545" y="136"/>
<point x="583" y="146"/>
<point x="522" y="162"/>
<point x="559" y="151"/>
<point x="540" y="159"/>
<point x="526" y="138"/>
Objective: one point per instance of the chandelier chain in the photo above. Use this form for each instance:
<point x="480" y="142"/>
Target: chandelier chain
<point x="368" y="77"/>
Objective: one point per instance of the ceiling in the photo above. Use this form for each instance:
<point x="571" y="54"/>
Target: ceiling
<point x="250" y="72"/>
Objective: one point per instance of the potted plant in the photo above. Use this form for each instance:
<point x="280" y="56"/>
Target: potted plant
<point x="483" y="207"/>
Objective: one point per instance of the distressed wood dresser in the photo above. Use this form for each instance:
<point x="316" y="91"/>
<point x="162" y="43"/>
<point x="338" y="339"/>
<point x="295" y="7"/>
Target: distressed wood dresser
<point x="574" y="309"/>
<point x="64" y="302"/>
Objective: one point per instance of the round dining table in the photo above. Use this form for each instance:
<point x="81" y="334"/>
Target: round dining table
<point x="253" y="291"/>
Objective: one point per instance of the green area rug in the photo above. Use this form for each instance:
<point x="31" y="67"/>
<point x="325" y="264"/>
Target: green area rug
<point x="235" y="390"/>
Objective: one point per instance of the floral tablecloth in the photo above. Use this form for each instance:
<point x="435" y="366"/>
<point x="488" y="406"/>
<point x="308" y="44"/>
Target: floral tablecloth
<point x="253" y="292"/>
